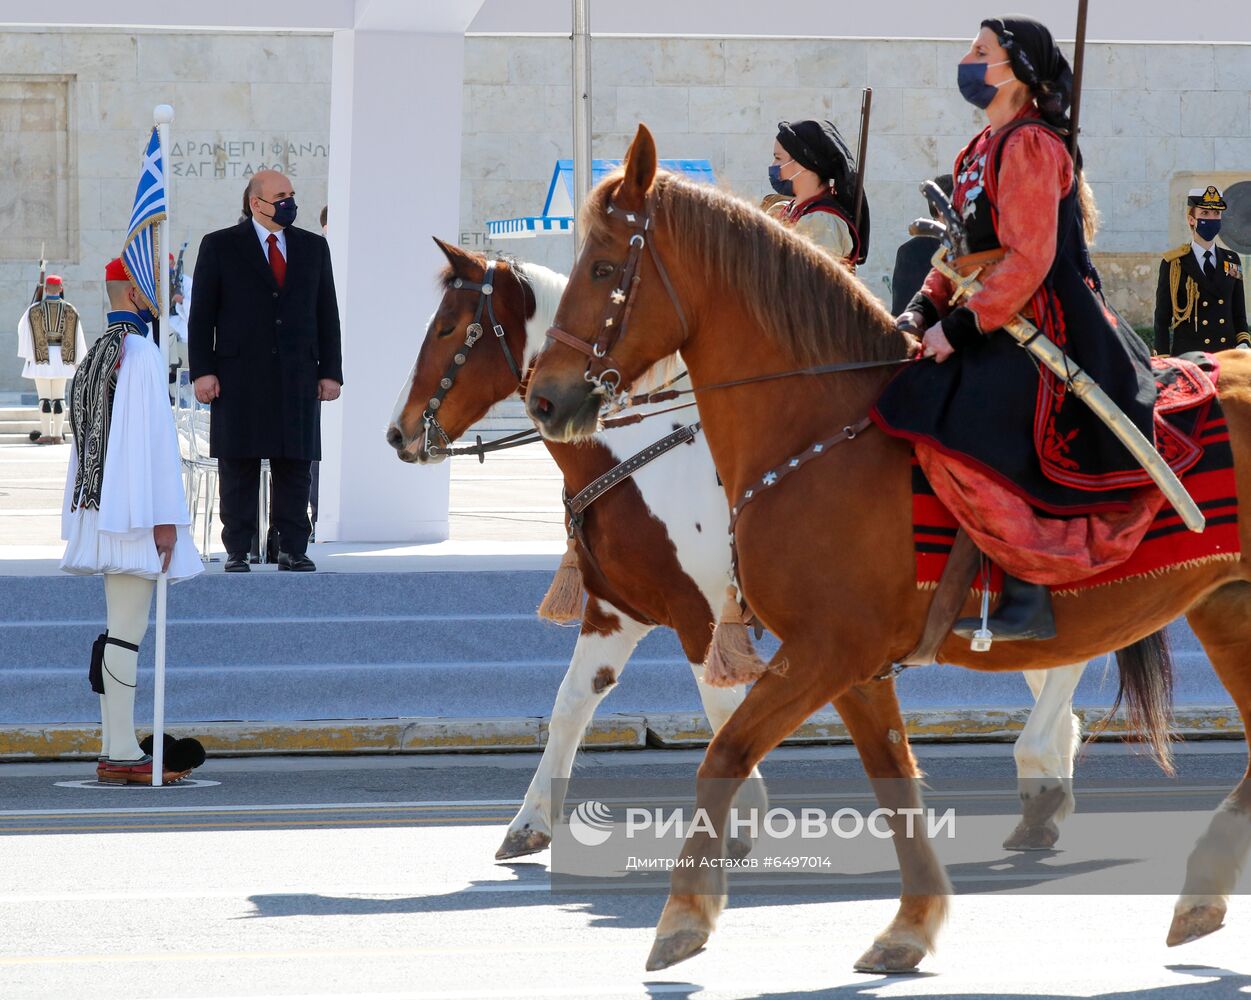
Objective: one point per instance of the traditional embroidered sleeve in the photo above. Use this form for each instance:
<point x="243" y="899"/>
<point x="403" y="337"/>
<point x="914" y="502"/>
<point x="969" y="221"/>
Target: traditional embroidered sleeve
<point x="80" y="341"/>
<point x="25" y="339"/>
<point x="71" y="475"/>
<point x="143" y="470"/>
<point x="827" y="231"/>
<point x="1035" y="172"/>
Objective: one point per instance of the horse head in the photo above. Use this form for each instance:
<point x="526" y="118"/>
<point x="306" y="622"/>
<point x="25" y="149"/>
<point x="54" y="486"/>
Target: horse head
<point x="473" y="341"/>
<point x="619" y="315"/>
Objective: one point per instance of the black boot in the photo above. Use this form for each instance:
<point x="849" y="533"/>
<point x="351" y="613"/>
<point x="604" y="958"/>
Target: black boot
<point x="1024" y="612"/>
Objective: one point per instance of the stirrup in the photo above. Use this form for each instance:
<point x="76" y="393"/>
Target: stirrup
<point x="95" y="673"/>
<point x="983" y="637"/>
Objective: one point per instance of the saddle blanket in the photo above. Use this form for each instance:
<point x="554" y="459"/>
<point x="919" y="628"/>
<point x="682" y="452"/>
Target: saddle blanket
<point x="1197" y="431"/>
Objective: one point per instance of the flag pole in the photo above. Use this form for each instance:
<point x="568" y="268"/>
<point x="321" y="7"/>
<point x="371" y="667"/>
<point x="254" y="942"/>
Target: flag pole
<point x="158" y="683"/>
<point x="163" y="117"/>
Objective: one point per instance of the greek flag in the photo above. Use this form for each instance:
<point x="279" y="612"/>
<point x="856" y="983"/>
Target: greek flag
<point x="141" y="253"/>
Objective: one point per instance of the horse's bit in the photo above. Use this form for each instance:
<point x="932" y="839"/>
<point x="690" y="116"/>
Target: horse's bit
<point x="473" y="333"/>
<point x="601" y="370"/>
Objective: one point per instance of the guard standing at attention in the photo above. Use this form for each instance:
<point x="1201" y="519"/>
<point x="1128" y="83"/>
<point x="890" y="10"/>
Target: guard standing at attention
<point x="1200" y="302"/>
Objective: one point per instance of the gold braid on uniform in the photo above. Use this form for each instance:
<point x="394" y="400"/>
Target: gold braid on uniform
<point x="1187" y="312"/>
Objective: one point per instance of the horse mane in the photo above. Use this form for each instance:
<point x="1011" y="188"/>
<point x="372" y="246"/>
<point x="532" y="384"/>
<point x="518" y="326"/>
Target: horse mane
<point x="806" y="302"/>
<point x="547" y="287"/>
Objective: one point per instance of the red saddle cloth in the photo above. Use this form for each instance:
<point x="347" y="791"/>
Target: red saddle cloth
<point x="1074" y="553"/>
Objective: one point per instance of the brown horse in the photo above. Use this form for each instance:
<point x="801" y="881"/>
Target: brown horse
<point x="825" y="559"/>
<point x="655" y="551"/>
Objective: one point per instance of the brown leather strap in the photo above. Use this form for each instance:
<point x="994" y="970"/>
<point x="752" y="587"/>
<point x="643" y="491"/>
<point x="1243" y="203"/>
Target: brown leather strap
<point x="777" y="474"/>
<point x="965" y="264"/>
<point x="569" y="340"/>
<point x="953" y="590"/>
<point x="621" y="472"/>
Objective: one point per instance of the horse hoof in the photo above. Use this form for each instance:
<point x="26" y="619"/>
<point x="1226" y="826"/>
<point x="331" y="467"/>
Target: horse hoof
<point x="891" y="959"/>
<point x="1032" y="838"/>
<point x="736" y="849"/>
<point x="1194" y="923"/>
<point x="670" y="949"/>
<point x="519" y="843"/>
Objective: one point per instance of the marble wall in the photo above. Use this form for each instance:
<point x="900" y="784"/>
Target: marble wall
<point x="75" y="113"/>
<point x="1151" y="113"/>
<point x="76" y="107"/>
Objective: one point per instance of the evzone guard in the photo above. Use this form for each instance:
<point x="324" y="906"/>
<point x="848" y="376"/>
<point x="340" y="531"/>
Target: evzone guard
<point x="51" y="342"/>
<point x="125" y="517"/>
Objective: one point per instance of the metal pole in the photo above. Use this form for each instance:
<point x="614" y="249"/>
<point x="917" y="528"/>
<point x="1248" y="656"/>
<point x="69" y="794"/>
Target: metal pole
<point x="163" y="116"/>
<point x="581" y="113"/>
<point x="158" y="684"/>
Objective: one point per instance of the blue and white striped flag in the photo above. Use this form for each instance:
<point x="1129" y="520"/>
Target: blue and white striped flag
<point x="141" y="253"/>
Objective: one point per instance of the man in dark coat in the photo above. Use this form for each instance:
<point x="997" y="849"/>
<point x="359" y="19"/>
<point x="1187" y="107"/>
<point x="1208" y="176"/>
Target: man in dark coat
<point x="265" y="351"/>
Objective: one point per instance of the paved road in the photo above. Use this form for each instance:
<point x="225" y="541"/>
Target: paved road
<point x="374" y="878"/>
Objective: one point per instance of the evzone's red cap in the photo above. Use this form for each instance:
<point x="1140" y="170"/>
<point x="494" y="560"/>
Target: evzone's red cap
<point x="114" y="271"/>
<point x="52" y="279"/>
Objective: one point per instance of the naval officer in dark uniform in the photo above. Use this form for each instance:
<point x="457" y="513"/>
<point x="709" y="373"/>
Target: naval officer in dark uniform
<point x="1200" y="303"/>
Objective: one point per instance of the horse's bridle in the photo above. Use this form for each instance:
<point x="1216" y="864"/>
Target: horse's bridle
<point x="473" y="333"/>
<point x="601" y="370"/>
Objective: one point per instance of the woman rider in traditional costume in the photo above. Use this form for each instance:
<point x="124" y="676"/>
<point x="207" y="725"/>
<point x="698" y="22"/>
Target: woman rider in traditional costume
<point x="1026" y="468"/>
<point x="813" y="168"/>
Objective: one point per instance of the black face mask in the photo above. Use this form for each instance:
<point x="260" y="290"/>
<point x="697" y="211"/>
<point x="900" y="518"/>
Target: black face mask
<point x="284" y="211"/>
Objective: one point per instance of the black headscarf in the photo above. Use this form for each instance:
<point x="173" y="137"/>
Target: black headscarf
<point x="1037" y="62"/>
<point x="819" y="147"/>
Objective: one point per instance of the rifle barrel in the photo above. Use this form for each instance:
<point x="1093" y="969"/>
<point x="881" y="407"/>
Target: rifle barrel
<point x="862" y="152"/>
<point x="1079" y="63"/>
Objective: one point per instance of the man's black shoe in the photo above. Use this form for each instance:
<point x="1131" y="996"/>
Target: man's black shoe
<point x="238" y="563"/>
<point x="1024" y="612"/>
<point x="297" y="563"/>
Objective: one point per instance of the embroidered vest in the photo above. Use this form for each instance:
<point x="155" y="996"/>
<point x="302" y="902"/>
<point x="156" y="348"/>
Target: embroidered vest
<point x="53" y="323"/>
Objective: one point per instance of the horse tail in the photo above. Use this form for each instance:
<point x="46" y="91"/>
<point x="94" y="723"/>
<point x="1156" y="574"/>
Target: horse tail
<point x="1146" y="687"/>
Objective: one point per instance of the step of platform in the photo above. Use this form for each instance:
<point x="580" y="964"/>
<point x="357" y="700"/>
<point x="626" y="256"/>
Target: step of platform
<point x="506" y="417"/>
<point x="280" y="646"/>
<point x="17" y="422"/>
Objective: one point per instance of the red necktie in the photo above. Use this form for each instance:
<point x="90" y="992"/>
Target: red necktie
<point x="277" y="262"/>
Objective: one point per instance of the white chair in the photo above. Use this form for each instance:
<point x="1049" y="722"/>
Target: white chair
<point x="200" y="470"/>
<point x="192" y="419"/>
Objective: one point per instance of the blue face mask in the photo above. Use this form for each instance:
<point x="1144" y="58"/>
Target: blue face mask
<point x="1207" y="229"/>
<point x="783" y="187"/>
<point x="145" y="314"/>
<point x="971" y="79"/>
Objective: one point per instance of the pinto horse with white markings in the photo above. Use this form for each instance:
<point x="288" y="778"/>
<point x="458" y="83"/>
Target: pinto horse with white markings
<point x="651" y="550"/>
<point x="657" y="551"/>
<point x="825" y="556"/>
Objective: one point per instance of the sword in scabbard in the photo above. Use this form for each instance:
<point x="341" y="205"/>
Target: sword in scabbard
<point x="1047" y="353"/>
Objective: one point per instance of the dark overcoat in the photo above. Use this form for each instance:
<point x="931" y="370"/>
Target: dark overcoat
<point x="268" y="346"/>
